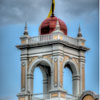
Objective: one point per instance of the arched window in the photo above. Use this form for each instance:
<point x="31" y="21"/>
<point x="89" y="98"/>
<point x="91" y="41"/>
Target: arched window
<point x="71" y="78"/>
<point x="38" y="81"/>
<point x="67" y="80"/>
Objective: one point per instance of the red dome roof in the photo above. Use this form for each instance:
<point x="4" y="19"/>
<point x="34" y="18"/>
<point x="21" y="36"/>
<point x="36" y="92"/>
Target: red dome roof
<point x="49" y="25"/>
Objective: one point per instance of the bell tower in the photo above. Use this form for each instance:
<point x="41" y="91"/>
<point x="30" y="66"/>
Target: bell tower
<point x="52" y="51"/>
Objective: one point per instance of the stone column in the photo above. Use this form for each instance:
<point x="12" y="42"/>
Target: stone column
<point x="57" y="91"/>
<point x="24" y="76"/>
<point x="55" y="72"/>
<point x="49" y="83"/>
<point x="61" y="72"/>
<point x="82" y="75"/>
<point x="45" y="85"/>
<point x="30" y="83"/>
<point x="58" y="72"/>
<point x="76" y="81"/>
<point x="52" y="79"/>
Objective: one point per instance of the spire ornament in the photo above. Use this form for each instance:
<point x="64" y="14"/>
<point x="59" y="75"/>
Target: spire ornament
<point x="57" y="25"/>
<point x="79" y="32"/>
<point x="25" y="30"/>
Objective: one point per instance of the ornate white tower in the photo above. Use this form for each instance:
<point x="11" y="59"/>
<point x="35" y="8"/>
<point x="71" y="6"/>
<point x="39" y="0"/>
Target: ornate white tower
<point x="52" y="51"/>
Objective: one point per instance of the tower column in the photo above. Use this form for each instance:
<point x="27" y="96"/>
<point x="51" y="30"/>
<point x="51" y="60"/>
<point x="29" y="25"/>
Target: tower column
<point x="30" y="79"/>
<point x="58" y="90"/>
<point x="82" y="74"/>
<point x="76" y="81"/>
<point x="45" y="85"/>
<point x="55" y="72"/>
<point x="23" y="76"/>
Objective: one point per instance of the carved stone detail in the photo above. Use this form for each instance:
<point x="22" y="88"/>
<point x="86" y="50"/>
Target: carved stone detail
<point x="82" y="43"/>
<point x="63" y="95"/>
<point x="49" y="57"/>
<point x="54" y="95"/>
<point x="61" y="73"/>
<point x="55" y="59"/>
<point x="76" y="61"/>
<point x="31" y="60"/>
<point x="23" y="41"/>
<point x="23" y="64"/>
<point x="66" y="58"/>
<point x="55" y="73"/>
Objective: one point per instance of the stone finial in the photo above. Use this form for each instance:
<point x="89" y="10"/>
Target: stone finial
<point x="79" y="32"/>
<point x="25" y="30"/>
<point x="57" y="25"/>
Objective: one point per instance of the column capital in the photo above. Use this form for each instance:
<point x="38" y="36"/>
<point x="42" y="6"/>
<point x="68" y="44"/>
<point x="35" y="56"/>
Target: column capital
<point x="29" y="76"/>
<point x="76" y="77"/>
<point x="45" y="81"/>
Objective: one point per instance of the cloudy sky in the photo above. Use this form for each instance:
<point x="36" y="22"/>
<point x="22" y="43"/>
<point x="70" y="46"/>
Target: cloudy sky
<point x="34" y="11"/>
<point x="14" y="13"/>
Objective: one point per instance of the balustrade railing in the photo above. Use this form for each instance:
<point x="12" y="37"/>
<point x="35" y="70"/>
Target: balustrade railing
<point x="44" y="38"/>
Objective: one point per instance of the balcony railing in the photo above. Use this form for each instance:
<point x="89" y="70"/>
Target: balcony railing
<point x="51" y="37"/>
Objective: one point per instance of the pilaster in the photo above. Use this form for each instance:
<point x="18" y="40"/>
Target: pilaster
<point x="82" y="74"/>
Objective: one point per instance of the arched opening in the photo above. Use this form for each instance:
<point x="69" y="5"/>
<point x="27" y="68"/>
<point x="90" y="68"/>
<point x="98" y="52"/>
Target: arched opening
<point x="67" y="80"/>
<point x="38" y="81"/>
<point x="71" y="78"/>
<point x="39" y="78"/>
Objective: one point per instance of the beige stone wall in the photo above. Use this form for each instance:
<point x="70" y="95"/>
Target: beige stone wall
<point x="83" y="79"/>
<point x="22" y="98"/>
<point x="88" y="97"/>
<point x="23" y="41"/>
<point x="61" y="69"/>
<point x="65" y="58"/>
<point x="31" y="60"/>
<point x="63" y="95"/>
<point x="49" y="57"/>
<point x="23" y="77"/>
<point x="61" y="73"/>
<point x="76" y="61"/>
<point x="54" y="95"/>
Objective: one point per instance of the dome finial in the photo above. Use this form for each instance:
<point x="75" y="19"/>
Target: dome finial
<point x="25" y="30"/>
<point x="79" y="29"/>
<point x="79" y="32"/>
<point x="52" y="8"/>
<point x="57" y="25"/>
